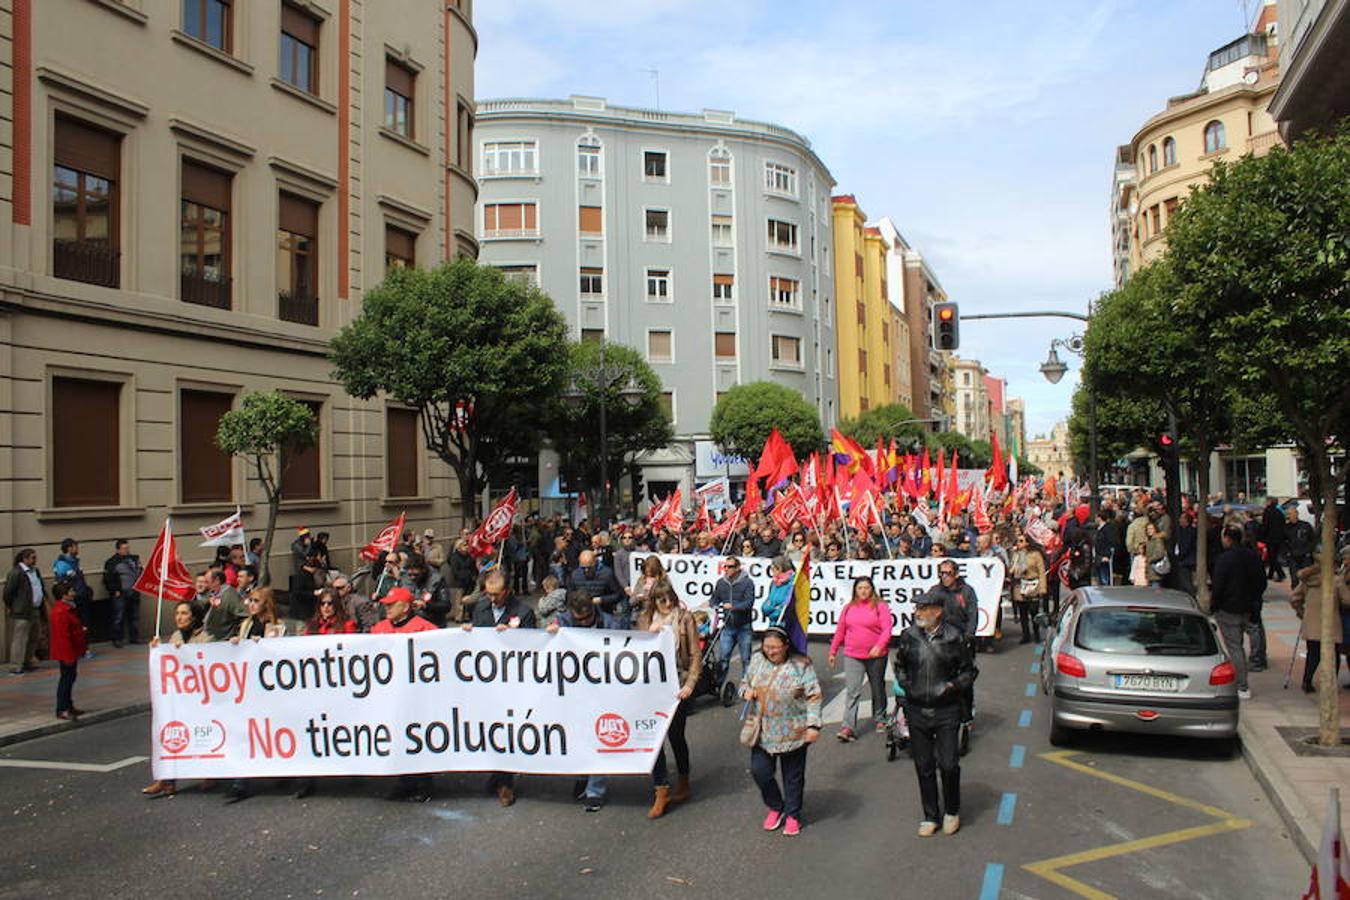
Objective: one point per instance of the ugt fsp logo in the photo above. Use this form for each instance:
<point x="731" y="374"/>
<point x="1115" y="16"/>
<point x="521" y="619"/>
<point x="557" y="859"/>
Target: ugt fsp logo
<point x="611" y="729"/>
<point x="173" y="737"/>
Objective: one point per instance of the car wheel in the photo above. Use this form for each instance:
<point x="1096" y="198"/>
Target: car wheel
<point x="728" y="694"/>
<point x="1059" y="735"/>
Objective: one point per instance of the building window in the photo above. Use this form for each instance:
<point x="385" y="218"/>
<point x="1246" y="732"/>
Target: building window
<point x="590" y="220"/>
<point x="1169" y="209"/>
<point x="510" y="220"/>
<point x="657" y="223"/>
<point x="858" y="265"/>
<point x="304" y="480"/>
<point x="398" y="98"/>
<point x="464" y="135"/>
<point x="658" y="286"/>
<point x="862" y="362"/>
<point x="510" y="158"/>
<point x="668" y="404"/>
<point x="1169" y="152"/>
<point x="85" y="244"/>
<point x="209" y="21"/>
<point x="787" y="351"/>
<point x="527" y="275"/>
<point x="297" y="261"/>
<point x="588" y="160"/>
<point x="660" y="347"/>
<point x="592" y="335"/>
<point x="1155" y="220"/>
<point x="780" y="179"/>
<point x="655" y="165"/>
<point x="721" y="231"/>
<point x="1152" y="158"/>
<point x="829" y="362"/>
<point x="592" y="282"/>
<point x="724" y="345"/>
<point x="719" y="168"/>
<point x="401" y="452"/>
<point x="723" y="287"/>
<point x="299" y="65"/>
<point x="400" y="249"/>
<point x="784" y="292"/>
<point x="1215" y="140"/>
<point x="204" y="237"/>
<point x="204" y="473"/>
<point x="783" y="236"/>
<point x="86" y="461"/>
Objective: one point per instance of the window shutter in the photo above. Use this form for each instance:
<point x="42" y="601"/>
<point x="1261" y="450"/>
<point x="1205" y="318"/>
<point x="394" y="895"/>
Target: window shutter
<point x="590" y="220"/>
<point x="205" y="472"/>
<point x="86" y="148"/>
<point x="206" y="186"/>
<point x="398" y="79"/>
<point x="298" y="216"/>
<point x="724" y="344"/>
<point x="724" y="279"/>
<point x="401" y="452"/>
<point x="400" y="243"/>
<point x="299" y="26"/>
<point x="86" y="457"/>
<point x="302" y="481"/>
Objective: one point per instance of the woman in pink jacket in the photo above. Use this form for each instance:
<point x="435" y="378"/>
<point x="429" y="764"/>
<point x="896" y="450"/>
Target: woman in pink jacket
<point x="864" y="631"/>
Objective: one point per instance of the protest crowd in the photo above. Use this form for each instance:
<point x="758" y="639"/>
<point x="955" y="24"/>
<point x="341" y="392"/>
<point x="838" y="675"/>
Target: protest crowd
<point x="558" y="573"/>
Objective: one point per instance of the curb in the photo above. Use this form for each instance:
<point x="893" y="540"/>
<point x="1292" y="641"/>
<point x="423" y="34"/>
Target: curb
<point x="1302" y="827"/>
<point x="93" y="718"/>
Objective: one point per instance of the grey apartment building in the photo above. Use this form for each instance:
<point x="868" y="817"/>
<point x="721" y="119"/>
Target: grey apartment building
<point x="702" y="240"/>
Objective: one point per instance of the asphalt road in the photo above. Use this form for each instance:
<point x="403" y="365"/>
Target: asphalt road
<point x="90" y="833"/>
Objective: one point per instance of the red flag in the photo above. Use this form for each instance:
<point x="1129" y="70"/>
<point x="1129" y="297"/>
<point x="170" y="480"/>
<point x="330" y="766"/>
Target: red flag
<point x="982" y="523"/>
<point x="786" y="511"/>
<point x="753" y="500"/>
<point x="998" y="470"/>
<point x="879" y="462"/>
<point x="164" y="574"/>
<point x="728" y="524"/>
<point x="863" y="510"/>
<point x="703" y="521"/>
<point x="926" y="479"/>
<point x="384" y="541"/>
<point x="495" y="527"/>
<point x="953" y="486"/>
<point x="657" y="514"/>
<point x="939" y="486"/>
<point x="776" y="461"/>
<point x="673" y="515"/>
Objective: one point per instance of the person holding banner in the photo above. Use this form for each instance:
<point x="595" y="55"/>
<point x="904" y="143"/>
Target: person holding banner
<point x="864" y="631"/>
<point x="782" y="721"/>
<point x="664" y="611"/>
<point x="261" y="623"/>
<point x="330" y="616"/>
<point x="582" y="613"/>
<point x="187" y="629"/>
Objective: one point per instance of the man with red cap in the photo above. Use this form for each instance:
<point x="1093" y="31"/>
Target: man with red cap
<point x="398" y="614"/>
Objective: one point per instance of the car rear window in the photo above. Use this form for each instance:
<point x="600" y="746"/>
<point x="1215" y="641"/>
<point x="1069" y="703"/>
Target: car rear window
<point x="1145" y="631"/>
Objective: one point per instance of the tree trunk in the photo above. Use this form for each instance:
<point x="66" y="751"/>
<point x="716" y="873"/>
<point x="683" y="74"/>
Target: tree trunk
<point x="264" y="558"/>
<point x="1328" y="695"/>
<point x="1202" y="531"/>
<point x="469" y="488"/>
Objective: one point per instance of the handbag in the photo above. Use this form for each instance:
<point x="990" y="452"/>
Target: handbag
<point x="751" y="724"/>
<point x="1161" y="566"/>
<point x="1030" y="587"/>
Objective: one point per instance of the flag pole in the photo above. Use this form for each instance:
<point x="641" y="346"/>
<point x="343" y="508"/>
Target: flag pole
<point x="163" y="574"/>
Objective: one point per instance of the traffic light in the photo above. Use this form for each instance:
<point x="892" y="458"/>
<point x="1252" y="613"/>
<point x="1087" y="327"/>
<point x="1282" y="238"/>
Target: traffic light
<point x="636" y="475"/>
<point x="946" y="326"/>
<point x="1167" y="444"/>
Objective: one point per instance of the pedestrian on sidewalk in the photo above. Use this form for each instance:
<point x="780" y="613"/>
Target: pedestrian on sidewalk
<point x="68" y="645"/>
<point x="1272" y="532"/>
<point x="24" y="596"/>
<point x="935" y="667"/>
<point x="1307" y="599"/>
<point x="664" y="611"/>
<point x="783" y="721"/>
<point x="1239" y="581"/>
<point x="121" y="571"/>
<point x="67" y="568"/>
<point x="864" y="633"/>
<point x="1300" y="542"/>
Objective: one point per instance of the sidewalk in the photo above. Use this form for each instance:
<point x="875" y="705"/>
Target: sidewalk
<point x="112" y="684"/>
<point x="1296" y="782"/>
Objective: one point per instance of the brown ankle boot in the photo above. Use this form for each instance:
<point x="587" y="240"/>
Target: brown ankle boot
<point x="659" y="804"/>
<point x="681" y="792"/>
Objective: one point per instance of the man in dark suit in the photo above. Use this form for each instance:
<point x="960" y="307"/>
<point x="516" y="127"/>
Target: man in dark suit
<point x="1272" y="532"/>
<point x="504" y="610"/>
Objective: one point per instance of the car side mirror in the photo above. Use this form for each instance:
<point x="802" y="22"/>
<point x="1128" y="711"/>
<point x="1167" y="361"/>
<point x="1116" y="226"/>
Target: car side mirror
<point x="1042" y="620"/>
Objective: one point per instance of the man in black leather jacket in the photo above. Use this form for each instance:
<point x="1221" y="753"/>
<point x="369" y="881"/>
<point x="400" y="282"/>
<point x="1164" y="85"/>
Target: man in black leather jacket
<point x="935" y="666"/>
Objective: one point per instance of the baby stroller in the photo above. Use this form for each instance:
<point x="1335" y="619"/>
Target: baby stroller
<point x="714" y="669"/>
<point x="897" y="729"/>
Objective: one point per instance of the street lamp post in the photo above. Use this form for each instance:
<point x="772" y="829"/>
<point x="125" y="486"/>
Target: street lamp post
<point x="602" y="378"/>
<point x="1054" y="369"/>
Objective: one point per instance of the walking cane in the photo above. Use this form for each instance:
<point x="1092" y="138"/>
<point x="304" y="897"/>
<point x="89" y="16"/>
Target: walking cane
<point x="1289" y="675"/>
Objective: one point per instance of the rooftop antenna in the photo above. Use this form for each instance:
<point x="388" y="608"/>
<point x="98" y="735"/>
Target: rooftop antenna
<point x="656" y="79"/>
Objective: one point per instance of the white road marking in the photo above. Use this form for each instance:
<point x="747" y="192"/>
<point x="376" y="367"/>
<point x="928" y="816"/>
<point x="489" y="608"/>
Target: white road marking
<point x="99" y="768"/>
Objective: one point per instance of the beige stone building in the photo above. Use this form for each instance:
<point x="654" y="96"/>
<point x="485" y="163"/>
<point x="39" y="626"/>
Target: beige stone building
<point x="194" y="197"/>
<point x="971" y="399"/>
<point x="1052" y="453"/>
<point x="1175" y="149"/>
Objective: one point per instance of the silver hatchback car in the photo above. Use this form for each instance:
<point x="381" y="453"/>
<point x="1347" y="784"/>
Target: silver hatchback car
<point x="1140" y="660"/>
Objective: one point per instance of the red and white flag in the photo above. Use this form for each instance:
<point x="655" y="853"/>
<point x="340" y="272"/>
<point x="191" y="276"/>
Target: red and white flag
<point x="164" y="574"/>
<point x="385" y="541"/>
<point x="981" y="513"/>
<point x="581" y="510"/>
<point x="702" y="521"/>
<point x="227" y="532"/>
<point x="496" y="526"/>
<point x="672" y="516"/>
<point x="1330" y="879"/>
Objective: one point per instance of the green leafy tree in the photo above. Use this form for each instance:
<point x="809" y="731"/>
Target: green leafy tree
<point x="480" y="358"/>
<point x="1026" y="467"/>
<point x="632" y="427"/>
<point x="1263" y="264"/>
<point x="884" y="422"/>
<point x="268" y="430"/>
<point x="744" y="416"/>
<point x="971" y="454"/>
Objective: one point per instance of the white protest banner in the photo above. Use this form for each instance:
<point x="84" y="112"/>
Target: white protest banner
<point x="898" y="581"/>
<point x="582" y="701"/>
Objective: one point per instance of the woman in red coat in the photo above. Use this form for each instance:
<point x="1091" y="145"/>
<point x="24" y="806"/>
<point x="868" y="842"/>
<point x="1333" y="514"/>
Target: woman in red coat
<point x="68" y="644"/>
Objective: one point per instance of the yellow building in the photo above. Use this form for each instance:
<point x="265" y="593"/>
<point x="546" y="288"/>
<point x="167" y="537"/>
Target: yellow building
<point x="1224" y="119"/>
<point x="864" y="328"/>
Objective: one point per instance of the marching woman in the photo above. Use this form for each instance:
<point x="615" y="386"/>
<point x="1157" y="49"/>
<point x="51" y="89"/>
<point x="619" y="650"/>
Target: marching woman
<point x="782" y="721"/>
<point x="864" y="632"/>
<point x="187" y="629"/>
<point x="664" y="611"/>
<point x="261" y="622"/>
<point x="330" y="616"/>
<point x="1029" y="586"/>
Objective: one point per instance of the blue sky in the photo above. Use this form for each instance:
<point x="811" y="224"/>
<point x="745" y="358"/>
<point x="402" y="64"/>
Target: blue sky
<point x="986" y="130"/>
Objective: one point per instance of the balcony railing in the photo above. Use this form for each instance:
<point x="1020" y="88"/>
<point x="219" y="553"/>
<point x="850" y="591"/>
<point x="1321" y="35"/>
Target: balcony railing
<point x="300" y="308"/>
<point x="205" y="291"/>
<point x="93" y="262"/>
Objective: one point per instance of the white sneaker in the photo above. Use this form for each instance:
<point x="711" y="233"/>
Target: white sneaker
<point x="927" y="829"/>
<point x="951" y="824"/>
<point x="1244" y="695"/>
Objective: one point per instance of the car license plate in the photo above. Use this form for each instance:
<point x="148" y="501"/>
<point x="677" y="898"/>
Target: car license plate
<point x="1147" y="682"/>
